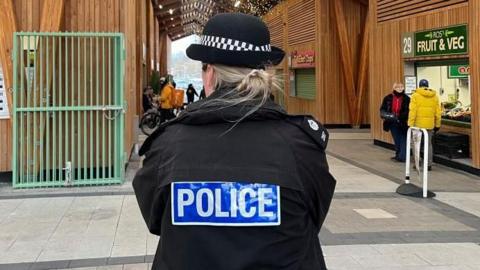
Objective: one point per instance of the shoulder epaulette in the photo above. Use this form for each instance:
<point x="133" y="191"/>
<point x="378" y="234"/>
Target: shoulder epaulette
<point x="312" y="128"/>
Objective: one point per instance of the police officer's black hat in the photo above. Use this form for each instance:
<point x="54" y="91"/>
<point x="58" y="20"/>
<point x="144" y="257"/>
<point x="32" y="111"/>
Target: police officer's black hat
<point x="236" y="39"/>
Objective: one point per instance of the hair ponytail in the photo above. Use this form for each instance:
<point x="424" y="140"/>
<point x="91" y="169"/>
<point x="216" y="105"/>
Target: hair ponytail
<point x="245" y="84"/>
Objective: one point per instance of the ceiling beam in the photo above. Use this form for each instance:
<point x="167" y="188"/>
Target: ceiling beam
<point x="167" y="2"/>
<point x="165" y="22"/>
<point x="175" y="29"/>
<point x="363" y="2"/>
<point x="165" y="9"/>
<point x="169" y="25"/>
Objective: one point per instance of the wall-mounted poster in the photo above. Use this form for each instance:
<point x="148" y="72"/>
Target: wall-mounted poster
<point x="4" y="113"/>
<point x="410" y="84"/>
<point x="303" y="59"/>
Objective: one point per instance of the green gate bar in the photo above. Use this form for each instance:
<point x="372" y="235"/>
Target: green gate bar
<point x="68" y="109"/>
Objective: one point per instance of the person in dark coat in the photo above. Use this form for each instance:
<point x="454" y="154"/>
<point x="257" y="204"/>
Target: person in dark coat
<point x="234" y="182"/>
<point x="394" y="112"/>
<point x="191" y="93"/>
<point x="202" y="93"/>
<point x="147" y="101"/>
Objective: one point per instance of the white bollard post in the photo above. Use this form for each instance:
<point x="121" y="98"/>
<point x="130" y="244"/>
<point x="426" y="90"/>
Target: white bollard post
<point x="407" y="161"/>
<point x="425" y="158"/>
<point x="425" y="162"/>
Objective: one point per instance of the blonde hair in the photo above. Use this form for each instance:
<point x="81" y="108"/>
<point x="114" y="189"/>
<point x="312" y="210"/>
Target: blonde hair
<point x="397" y="84"/>
<point x="245" y="86"/>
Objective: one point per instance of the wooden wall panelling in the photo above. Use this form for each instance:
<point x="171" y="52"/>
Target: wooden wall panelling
<point x="390" y="10"/>
<point x="346" y="57"/>
<point x="330" y="105"/>
<point x="474" y="36"/>
<point x="128" y="24"/>
<point x="7" y="28"/>
<point x="51" y="20"/>
<point x="320" y="69"/>
<point x="139" y="58"/>
<point x="148" y="43"/>
<point x="301" y="21"/>
<point x="362" y="81"/>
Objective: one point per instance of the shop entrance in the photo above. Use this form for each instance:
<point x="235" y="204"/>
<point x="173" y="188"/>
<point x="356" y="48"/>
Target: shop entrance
<point x="451" y="80"/>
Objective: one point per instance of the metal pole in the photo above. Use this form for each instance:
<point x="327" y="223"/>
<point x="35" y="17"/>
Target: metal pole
<point x="425" y="162"/>
<point x="407" y="161"/>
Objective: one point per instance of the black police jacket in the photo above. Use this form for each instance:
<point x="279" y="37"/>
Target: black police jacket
<point x="205" y="143"/>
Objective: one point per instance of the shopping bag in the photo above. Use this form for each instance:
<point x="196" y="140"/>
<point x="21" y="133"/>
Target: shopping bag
<point x="417" y="142"/>
<point x="178" y="98"/>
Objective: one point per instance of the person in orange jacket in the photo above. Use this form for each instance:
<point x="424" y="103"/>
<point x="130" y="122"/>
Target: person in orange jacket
<point x="166" y="96"/>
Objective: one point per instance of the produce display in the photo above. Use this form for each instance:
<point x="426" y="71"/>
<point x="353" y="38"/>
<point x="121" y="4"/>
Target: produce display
<point x="456" y="111"/>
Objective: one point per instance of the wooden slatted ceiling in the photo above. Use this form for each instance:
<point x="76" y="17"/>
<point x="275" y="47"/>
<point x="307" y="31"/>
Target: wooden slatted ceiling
<point x="394" y="9"/>
<point x="276" y="31"/>
<point x="301" y="21"/>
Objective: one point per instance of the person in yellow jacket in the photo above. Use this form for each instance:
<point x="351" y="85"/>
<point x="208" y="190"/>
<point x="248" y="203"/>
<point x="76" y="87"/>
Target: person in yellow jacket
<point x="166" y="97"/>
<point x="425" y="112"/>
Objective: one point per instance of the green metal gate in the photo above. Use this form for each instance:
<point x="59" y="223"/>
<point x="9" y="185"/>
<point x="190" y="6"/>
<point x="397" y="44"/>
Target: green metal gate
<point x="68" y="109"/>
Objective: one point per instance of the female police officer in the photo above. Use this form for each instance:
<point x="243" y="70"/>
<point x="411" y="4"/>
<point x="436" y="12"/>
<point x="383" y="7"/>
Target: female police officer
<point x="234" y="182"/>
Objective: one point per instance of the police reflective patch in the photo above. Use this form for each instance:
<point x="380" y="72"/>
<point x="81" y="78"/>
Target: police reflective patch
<point x="313" y="125"/>
<point x="225" y="204"/>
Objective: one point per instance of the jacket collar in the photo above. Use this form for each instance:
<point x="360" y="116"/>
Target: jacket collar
<point x="212" y="110"/>
<point x="207" y="111"/>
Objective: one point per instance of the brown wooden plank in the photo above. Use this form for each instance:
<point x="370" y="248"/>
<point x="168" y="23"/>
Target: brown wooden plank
<point x="346" y="57"/>
<point x="433" y="7"/>
<point x="139" y="59"/>
<point x="7" y="28"/>
<point x="149" y="13"/>
<point x="363" y="72"/>
<point x="413" y="6"/>
<point x="474" y="43"/>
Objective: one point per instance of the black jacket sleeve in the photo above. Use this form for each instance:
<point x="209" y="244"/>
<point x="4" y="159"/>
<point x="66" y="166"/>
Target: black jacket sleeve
<point x="150" y="197"/>
<point x="319" y="184"/>
<point x="403" y="117"/>
<point x="312" y="167"/>
<point x="146" y="103"/>
<point x="384" y="108"/>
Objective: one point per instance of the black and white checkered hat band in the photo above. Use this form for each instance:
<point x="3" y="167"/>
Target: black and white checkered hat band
<point x="233" y="45"/>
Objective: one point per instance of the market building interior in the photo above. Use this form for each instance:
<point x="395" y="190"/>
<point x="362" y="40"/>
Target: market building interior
<point x="72" y="81"/>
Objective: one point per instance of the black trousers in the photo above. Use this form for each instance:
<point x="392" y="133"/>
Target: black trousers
<point x="166" y="114"/>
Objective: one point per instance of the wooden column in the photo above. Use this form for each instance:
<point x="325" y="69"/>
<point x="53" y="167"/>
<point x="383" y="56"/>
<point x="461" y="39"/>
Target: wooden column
<point x="362" y="82"/>
<point x="8" y="26"/>
<point x="139" y="58"/>
<point x="155" y="43"/>
<point x="52" y="15"/>
<point x="148" y="35"/>
<point x="474" y="47"/>
<point x="346" y="55"/>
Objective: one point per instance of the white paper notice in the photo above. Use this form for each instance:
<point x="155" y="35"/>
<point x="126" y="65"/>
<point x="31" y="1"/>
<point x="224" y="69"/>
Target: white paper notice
<point x="410" y="84"/>
<point x="4" y="114"/>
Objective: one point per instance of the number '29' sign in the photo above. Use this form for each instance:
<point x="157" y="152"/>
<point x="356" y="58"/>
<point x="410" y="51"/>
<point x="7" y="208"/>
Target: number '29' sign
<point x="435" y="42"/>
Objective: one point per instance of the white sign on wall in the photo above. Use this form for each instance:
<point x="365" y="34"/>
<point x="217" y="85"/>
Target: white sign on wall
<point x="4" y="114"/>
<point x="410" y="84"/>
